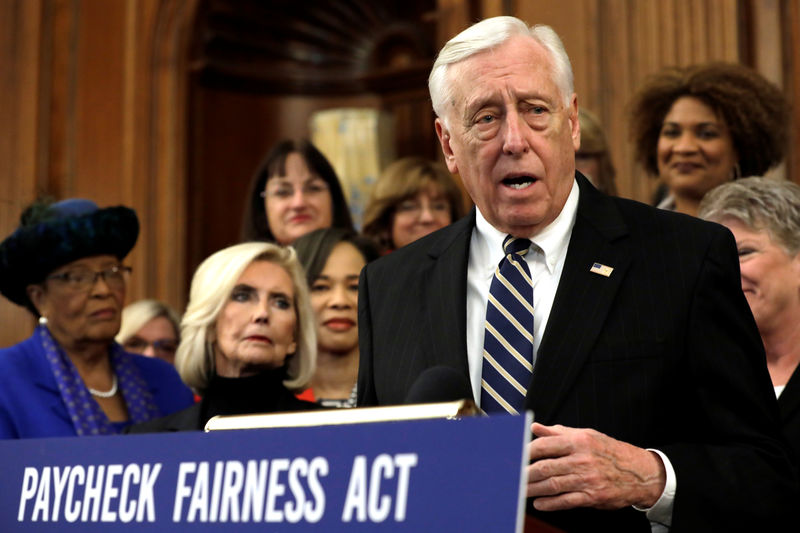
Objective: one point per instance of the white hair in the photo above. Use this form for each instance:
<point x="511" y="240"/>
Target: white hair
<point x="137" y="314"/>
<point x="491" y="33"/>
<point x="211" y="288"/>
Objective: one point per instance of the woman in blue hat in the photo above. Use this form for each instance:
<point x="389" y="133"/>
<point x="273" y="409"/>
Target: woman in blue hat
<point x="64" y="264"/>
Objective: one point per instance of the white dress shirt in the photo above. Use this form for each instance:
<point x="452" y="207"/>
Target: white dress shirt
<point x="546" y="262"/>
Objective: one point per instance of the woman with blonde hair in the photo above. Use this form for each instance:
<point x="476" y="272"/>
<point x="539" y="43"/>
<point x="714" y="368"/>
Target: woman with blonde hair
<point x="412" y="198"/>
<point x="150" y="328"/>
<point x="248" y="339"/>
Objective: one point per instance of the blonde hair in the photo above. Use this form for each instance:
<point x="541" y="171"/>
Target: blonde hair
<point x="399" y="181"/>
<point x="137" y="314"/>
<point x="211" y="287"/>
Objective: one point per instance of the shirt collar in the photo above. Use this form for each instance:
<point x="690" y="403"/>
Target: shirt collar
<point x="552" y="241"/>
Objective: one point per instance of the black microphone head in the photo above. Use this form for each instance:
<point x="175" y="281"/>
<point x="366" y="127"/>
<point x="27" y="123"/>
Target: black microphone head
<point x="439" y="384"/>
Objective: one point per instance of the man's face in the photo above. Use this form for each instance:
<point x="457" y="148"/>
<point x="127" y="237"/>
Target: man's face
<point x="510" y="136"/>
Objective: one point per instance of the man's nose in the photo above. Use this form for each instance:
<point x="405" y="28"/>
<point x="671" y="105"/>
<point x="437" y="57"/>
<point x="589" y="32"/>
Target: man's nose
<point x="515" y="143"/>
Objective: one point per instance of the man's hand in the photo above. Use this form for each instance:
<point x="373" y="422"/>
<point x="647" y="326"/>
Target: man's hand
<point x="584" y="468"/>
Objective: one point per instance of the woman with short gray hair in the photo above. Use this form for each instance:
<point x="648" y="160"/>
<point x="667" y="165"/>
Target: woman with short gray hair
<point x="764" y="217"/>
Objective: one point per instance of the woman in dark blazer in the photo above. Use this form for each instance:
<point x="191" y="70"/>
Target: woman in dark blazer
<point x="248" y="341"/>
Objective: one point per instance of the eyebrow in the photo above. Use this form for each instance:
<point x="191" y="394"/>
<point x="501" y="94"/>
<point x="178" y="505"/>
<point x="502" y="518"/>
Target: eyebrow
<point x="490" y="100"/>
<point x="472" y="107"/>
<point x="279" y="294"/>
<point x="695" y="124"/>
<point x="285" y="179"/>
<point x="327" y="278"/>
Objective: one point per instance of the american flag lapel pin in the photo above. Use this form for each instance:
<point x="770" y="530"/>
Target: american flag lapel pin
<point x="603" y="270"/>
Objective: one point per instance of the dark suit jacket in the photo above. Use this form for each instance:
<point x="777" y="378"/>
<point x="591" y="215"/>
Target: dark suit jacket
<point x="663" y="353"/>
<point x="789" y="404"/>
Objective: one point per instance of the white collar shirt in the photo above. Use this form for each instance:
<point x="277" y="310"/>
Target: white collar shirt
<point x="545" y="261"/>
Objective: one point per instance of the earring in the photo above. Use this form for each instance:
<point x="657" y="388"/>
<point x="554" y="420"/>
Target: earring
<point x="42" y="320"/>
<point x="737" y="171"/>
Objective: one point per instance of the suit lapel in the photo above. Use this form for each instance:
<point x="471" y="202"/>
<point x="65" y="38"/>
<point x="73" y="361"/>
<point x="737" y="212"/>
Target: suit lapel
<point x="445" y="294"/>
<point x="582" y="302"/>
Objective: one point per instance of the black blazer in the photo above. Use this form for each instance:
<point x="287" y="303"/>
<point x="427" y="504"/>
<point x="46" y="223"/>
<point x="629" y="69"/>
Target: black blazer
<point x="789" y="404"/>
<point x="664" y="353"/>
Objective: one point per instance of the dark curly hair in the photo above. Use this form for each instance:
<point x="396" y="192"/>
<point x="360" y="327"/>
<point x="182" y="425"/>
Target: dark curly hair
<point x="753" y="108"/>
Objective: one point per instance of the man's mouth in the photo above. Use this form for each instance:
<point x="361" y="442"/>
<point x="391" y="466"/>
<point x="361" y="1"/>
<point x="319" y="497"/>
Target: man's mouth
<point x="519" y="182"/>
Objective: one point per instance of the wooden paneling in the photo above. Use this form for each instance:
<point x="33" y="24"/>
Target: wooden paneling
<point x="615" y="44"/>
<point x="230" y="134"/>
<point x="95" y="104"/>
<point x="20" y="132"/>
<point x="95" y="108"/>
<point x="791" y="47"/>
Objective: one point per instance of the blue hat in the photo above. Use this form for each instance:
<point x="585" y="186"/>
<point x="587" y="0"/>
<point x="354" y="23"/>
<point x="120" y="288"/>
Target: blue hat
<point x="52" y="235"/>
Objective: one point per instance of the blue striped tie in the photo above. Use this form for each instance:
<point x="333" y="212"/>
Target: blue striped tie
<point x="508" y="341"/>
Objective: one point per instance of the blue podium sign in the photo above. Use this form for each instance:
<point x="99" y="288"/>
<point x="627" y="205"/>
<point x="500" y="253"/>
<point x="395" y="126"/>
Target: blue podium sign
<point x="463" y="475"/>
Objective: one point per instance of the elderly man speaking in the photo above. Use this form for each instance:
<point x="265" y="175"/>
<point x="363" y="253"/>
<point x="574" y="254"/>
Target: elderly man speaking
<point x="623" y="328"/>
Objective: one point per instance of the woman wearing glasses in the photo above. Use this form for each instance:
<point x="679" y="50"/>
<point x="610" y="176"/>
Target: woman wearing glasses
<point x="412" y="198"/>
<point x="70" y="378"/>
<point x="293" y="192"/>
<point x="150" y="328"/>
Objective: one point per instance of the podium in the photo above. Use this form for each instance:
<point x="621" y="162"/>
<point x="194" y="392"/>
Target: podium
<point x="464" y="475"/>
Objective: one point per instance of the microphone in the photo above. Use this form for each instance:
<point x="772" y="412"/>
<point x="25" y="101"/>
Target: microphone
<point x="439" y="384"/>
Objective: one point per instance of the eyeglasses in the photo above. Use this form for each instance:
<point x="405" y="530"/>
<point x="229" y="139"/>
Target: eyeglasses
<point x="83" y="279"/>
<point x="161" y="346"/>
<point x="415" y="208"/>
<point x="287" y="190"/>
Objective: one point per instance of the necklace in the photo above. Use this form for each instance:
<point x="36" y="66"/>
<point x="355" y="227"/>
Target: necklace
<point x="106" y="394"/>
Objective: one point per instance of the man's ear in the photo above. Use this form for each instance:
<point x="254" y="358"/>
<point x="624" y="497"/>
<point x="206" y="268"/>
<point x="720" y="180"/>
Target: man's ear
<point x="444" y="139"/>
<point x="575" y="123"/>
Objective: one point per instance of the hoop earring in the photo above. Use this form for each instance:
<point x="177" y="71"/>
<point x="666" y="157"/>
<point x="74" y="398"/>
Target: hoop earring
<point x="737" y="171"/>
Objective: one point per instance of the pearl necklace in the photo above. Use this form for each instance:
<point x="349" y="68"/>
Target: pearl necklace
<point x="106" y="394"/>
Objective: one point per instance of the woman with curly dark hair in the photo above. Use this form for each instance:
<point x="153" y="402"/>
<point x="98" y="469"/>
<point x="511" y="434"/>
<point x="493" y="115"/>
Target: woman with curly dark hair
<point x="700" y="126"/>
